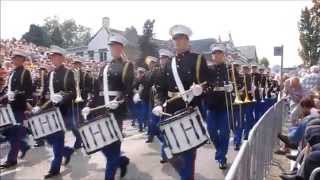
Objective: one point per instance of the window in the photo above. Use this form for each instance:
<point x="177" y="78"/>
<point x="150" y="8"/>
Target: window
<point x="103" y="54"/>
<point x="91" y="55"/>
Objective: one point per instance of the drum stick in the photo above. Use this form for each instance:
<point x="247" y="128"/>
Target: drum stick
<point x="180" y="94"/>
<point x="166" y="114"/>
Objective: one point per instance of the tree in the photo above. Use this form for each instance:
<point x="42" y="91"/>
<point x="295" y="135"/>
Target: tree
<point x="309" y="28"/>
<point x="56" y="37"/>
<point x="147" y="47"/>
<point x="264" y="61"/>
<point x="37" y="36"/>
<point x="71" y="33"/>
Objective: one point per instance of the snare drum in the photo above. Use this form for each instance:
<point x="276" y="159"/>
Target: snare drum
<point x="6" y="117"/>
<point x="46" y="123"/>
<point x="183" y="131"/>
<point x="99" y="133"/>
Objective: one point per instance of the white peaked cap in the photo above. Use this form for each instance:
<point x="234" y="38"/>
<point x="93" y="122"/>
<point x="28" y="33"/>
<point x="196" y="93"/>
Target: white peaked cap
<point x="180" y="29"/>
<point x="118" y="38"/>
<point x="57" y="50"/>
<point x="165" y="52"/>
<point x="215" y="47"/>
<point x="19" y="52"/>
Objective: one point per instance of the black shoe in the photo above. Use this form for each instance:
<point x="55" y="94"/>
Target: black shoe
<point x="68" y="157"/>
<point x="286" y="141"/>
<point x="223" y="164"/>
<point x="8" y="164"/>
<point x="291" y="177"/>
<point x="237" y="147"/>
<point x="162" y="161"/>
<point x="123" y="166"/>
<point x="51" y="174"/>
<point x="150" y="140"/>
<point x="24" y="152"/>
<point x="292" y="157"/>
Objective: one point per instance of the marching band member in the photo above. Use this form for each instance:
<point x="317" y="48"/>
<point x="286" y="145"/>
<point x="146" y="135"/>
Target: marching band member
<point x="114" y="84"/>
<point x="141" y="97"/>
<point x="39" y="96"/>
<point x="248" y="107"/>
<point x="186" y="70"/>
<point x="82" y="81"/>
<point x="236" y="118"/>
<point x="155" y="70"/>
<point x="218" y="104"/>
<point x="258" y="107"/>
<point x="61" y="87"/>
<point x="19" y="94"/>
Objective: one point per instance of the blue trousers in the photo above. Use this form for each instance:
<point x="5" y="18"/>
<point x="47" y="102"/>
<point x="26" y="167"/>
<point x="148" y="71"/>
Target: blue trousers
<point x="16" y="136"/>
<point x="249" y="120"/>
<point x="155" y="131"/>
<point x="184" y="164"/>
<point x="238" y="125"/>
<point x="259" y="110"/>
<point x="142" y="113"/>
<point x="59" y="150"/>
<point x="114" y="159"/>
<point x="218" y="128"/>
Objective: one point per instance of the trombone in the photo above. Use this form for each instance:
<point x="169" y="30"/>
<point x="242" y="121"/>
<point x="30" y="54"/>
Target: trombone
<point x="246" y="99"/>
<point x="77" y="74"/>
<point x="237" y="99"/>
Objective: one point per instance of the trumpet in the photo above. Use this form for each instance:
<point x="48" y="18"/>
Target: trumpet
<point x="253" y="89"/>
<point x="266" y="88"/>
<point x="77" y="81"/>
<point x="247" y="99"/>
<point x="261" y="92"/>
<point x="237" y="99"/>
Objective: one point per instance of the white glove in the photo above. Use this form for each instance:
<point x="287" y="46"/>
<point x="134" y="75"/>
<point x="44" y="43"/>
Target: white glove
<point x="85" y="112"/>
<point x="11" y="95"/>
<point x="196" y="89"/>
<point x="136" y="98"/>
<point x="56" y="98"/>
<point x="35" y="109"/>
<point x="113" y="104"/>
<point x="228" y="87"/>
<point x="158" y="110"/>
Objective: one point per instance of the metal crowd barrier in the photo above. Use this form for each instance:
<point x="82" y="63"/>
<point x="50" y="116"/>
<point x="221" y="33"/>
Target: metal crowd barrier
<point x="254" y="158"/>
<point x="315" y="173"/>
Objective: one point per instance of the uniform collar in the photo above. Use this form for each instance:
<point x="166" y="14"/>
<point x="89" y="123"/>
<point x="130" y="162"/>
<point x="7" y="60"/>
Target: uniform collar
<point x="117" y="60"/>
<point x="59" y="68"/>
<point x="182" y="54"/>
<point x="18" y="68"/>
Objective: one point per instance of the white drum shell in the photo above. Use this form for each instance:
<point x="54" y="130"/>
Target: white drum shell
<point x="46" y="123"/>
<point x="184" y="133"/>
<point x="100" y="133"/>
<point x="6" y="117"/>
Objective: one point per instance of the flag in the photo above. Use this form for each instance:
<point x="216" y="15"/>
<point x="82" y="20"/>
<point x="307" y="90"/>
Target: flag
<point x="278" y="51"/>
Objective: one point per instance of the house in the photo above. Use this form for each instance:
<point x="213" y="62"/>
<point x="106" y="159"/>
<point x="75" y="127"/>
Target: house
<point x="98" y="48"/>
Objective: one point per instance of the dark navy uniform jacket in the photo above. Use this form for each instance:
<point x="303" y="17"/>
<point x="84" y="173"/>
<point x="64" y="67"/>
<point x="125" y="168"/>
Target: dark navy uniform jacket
<point x="187" y="65"/>
<point x="21" y="83"/>
<point x="217" y="78"/>
<point x="120" y="78"/>
<point x="63" y="81"/>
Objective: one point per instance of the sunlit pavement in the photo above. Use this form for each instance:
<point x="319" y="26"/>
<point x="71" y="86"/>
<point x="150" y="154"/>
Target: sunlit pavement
<point x="144" y="162"/>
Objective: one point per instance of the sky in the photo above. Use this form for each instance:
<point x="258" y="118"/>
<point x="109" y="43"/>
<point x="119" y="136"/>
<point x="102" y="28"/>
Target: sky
<point x="264" y="24"/>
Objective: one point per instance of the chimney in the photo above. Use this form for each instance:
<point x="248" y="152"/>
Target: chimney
<point x="106" y="22"/>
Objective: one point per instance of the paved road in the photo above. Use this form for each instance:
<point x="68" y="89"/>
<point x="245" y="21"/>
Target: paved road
<point x="144" y="162"/>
